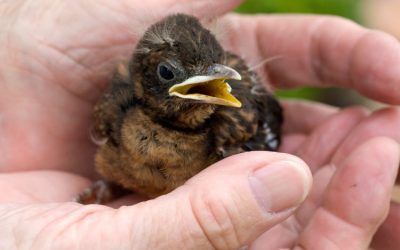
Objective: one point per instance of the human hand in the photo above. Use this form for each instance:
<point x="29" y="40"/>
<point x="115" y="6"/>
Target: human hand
<point x="312" y="52"/>
<point x="57" y="58"/>
<point x="39" y="63"/>
<point x="353" y="178"/>
<point x="251" y="206"/>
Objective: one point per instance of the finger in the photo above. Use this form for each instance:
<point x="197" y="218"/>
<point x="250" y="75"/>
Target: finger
<point x="279" y="237"/>
<point x="206" y="9"/>
<point x="115" y="27"/>
<point x="328" y="136"/>
<point x="385" y="122"/>
<point x="40" y="186"/>
<point x="295" y="119"/>
<point x="343" y="222"/>
<point x="259" y="190"/>
<point x="321" y="180"/>
<point x="387" y="236"/>
<point x="297" y="125"/>
<point x="290" y="143"/>
<point x="320" y="51"/>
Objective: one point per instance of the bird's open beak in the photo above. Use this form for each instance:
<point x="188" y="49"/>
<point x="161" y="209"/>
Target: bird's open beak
<point x="211" y="88"/>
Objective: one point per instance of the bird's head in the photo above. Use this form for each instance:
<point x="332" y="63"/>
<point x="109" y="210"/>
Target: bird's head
<point x="179" y="64"/>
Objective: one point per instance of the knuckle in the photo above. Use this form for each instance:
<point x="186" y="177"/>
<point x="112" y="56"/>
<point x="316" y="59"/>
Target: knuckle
<point x="214" y="217"/>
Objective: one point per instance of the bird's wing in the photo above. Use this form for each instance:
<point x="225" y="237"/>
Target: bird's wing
<point x="109" y="111"/>
<point x="254" y="126"/>
<point x="269" y="122"/>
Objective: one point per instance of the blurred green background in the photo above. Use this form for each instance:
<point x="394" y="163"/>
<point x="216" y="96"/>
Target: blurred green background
<point x="345" y="8"/>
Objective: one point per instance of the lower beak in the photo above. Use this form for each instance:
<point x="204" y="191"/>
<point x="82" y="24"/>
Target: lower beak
<point x="211" y="88"/>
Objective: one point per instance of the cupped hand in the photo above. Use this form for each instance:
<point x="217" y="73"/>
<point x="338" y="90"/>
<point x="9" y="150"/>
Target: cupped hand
<point x="253" y="199"/>
<point x="57" y="58"/>
<point x="354" y="167"/>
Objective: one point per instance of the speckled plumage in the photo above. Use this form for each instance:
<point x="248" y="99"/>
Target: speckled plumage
<point x="151" y="142"/>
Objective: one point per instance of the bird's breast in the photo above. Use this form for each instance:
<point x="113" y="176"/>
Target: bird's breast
<point x="176" y="153"/>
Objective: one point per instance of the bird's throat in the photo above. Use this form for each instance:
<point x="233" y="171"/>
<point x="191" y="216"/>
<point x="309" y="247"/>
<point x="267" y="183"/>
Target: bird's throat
<point x="190" y="118"/>
<point x="197" y="116"/>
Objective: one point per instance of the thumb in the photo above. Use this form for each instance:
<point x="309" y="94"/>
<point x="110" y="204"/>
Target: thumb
<point x="226" y="206"/>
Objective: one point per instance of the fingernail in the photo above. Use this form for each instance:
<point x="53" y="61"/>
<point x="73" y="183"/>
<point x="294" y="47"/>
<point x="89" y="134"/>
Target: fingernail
<point x="280" y="186"/>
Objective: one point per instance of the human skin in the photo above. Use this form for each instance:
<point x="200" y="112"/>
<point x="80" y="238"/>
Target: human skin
<point x="57" y="57"/>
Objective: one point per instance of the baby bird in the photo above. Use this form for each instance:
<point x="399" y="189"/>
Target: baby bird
<point x="181" y="104"/>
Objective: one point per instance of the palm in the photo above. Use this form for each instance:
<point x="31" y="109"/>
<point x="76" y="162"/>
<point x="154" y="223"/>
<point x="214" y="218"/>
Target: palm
<point x="64" y="76"/>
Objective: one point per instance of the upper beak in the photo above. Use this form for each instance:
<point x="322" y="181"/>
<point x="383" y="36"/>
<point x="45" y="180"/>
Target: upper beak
<point x="210" y="88"/>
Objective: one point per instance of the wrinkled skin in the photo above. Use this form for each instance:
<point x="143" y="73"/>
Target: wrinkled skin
<point x="52" y="73"/>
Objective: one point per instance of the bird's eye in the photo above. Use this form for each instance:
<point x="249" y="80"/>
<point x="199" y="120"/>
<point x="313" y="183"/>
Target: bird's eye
<point x="165" y="72"/>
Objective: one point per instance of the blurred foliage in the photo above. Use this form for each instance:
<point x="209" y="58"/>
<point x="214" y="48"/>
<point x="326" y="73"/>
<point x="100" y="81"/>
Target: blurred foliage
<point x="344" y="8"/>
<point x="310" y="93"/>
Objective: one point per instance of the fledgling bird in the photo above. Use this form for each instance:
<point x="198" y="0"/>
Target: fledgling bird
<point x="181" y="104"/>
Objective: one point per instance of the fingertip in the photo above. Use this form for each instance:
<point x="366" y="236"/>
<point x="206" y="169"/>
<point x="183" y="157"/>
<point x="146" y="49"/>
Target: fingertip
<point x="379" y="154"/>
<point x="271" y="188"/>
<point x="375" y="66"/>
<point x="386" y="146"/>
